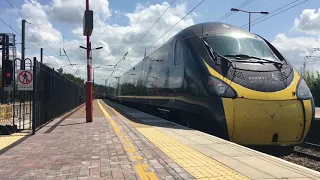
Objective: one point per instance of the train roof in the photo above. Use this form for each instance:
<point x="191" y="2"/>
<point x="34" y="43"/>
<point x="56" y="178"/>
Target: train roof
<point x="212" y="28"/>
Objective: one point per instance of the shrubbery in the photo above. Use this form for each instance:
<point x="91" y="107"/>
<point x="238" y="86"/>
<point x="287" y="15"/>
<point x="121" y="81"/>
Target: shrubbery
<point x="313" y="81"/>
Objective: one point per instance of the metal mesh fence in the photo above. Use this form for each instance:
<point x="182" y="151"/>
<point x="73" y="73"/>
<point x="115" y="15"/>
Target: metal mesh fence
<point x="54" y="94"/>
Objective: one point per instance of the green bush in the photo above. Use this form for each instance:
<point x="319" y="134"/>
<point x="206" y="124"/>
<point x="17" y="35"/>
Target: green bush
<point x="313" y="81"/>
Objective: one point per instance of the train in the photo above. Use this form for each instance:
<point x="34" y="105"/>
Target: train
<point x="233" y="83"/>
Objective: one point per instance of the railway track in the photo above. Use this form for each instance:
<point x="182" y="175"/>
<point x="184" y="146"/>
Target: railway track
<point x="308" y="150"/>
<point x="313" y="145"/>
<point x="308" y="155"/>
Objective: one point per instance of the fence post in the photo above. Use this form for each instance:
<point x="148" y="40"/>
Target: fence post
<point x="34" y="96"/>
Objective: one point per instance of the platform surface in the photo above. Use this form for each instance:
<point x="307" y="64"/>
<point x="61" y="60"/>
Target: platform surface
<point x="123" y="143"/>
<point x="317" y="113"/>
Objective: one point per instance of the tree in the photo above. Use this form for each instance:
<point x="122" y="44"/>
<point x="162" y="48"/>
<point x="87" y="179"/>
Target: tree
<point x="60" y="70"/>
<point x="313" y="81"/>
<point x="77" y="80"/>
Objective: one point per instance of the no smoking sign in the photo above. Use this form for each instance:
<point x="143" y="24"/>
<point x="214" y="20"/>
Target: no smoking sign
<point x="25" y="80"/>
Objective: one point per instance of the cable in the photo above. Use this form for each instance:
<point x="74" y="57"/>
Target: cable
<point x="21" y="36"/>
<point x="15" y="9"/>
<point x="42" y="38"/>
<point x="9" y="26"/>
<point x="31" y="28"/>
<point x="67" y="57"/>
<point x="231" y="12"/>
<point x="146" y="32"/>
<point x="279" y="12"/>
<point x="271" y="12"/>
<point x="49" y="58"/>
<point x="16" y="32"/>
<point x="252" y="24"/>
<point x="170" y="29"/>
<point x="307" y="61"/>
<point x="43" y="28"/>
<point x="110" y="75"/>
<point x="153" y="25"/>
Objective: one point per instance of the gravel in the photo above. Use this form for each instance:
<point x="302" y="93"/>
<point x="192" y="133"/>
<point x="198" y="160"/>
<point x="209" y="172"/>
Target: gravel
<point x="303" y="161"/>
<point x="291" y="156"/>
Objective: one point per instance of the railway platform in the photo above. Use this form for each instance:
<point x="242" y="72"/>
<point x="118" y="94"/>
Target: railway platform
<point x="124" y="143"/>
<point x="317" y="113"/>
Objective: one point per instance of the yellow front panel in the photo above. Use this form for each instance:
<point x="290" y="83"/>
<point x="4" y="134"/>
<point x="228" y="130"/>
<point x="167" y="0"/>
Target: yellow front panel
<point x="256" y="121"/>
<point x="228" y="112"/>
<point x="308" y="115"/>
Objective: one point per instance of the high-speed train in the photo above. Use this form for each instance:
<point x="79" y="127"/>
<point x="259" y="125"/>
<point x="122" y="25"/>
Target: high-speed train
<point x="230" y="80"/>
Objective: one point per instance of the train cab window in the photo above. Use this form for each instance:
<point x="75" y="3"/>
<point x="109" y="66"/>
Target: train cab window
<point x="178" y="54"/>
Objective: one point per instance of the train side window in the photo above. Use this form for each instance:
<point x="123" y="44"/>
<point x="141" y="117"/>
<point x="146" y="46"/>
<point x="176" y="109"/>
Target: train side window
<point x="178" y="54"/>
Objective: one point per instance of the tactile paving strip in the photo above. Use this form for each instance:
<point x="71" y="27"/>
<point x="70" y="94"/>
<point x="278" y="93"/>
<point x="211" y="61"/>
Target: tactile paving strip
<point x="6" y="141"/>
<point x="196" y="163"/>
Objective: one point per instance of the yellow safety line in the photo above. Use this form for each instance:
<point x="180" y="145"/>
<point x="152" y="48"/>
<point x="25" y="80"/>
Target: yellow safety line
<point x="7" y="140"/>
<point x="197" y="164"/>
<point x="140" y="167"/>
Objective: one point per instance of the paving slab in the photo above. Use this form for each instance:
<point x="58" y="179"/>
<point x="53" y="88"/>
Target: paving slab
<point x="317" y="113"/>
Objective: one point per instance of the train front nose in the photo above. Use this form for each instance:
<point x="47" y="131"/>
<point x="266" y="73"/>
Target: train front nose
<point x="268" y="121"/>
<point x="281" y="117"/>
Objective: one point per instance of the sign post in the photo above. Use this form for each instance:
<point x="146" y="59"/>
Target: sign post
<point x="25" y="80"/>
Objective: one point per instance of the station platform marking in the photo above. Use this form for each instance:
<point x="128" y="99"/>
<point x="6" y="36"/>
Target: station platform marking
<point x="7" y="140"/>
<point x="196" y="163"/>
<point x="140" y="166"/>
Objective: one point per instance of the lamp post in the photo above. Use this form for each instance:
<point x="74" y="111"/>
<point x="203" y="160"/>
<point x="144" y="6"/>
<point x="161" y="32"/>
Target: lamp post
<point x="93" y="73"/>
<point x="93" y="80"/>
<point x="91" y="49"/>
<point x="249" y="12"/>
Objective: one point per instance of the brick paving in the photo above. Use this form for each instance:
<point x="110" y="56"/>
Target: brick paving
<point x="162" y="164"/>
<point x="79" y="150"/>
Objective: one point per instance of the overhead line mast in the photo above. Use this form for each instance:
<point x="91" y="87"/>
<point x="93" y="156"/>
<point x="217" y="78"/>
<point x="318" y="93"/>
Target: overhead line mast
<point x="87" y="30"/>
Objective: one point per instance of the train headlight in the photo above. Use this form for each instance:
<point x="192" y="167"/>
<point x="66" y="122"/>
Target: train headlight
<point x="220" y="88"/>
<point x="303" y="91"/>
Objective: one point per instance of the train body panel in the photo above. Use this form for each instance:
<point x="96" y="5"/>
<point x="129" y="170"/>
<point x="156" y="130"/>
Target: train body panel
<point x="247" y="99"/>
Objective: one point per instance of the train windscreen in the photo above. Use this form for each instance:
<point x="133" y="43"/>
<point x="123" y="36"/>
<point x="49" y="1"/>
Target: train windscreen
<point x="229" y="45"/>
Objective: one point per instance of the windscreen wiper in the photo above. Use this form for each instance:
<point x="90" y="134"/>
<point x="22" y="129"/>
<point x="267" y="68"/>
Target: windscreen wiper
<point x="253" y="57"/>
<point x="211" y="52"/>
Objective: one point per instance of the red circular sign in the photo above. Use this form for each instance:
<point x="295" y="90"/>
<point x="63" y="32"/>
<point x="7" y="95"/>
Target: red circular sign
<point x="25" y="77"/>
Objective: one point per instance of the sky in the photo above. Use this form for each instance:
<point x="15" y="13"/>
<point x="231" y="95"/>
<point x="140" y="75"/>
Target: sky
<point x="119" y="26"/>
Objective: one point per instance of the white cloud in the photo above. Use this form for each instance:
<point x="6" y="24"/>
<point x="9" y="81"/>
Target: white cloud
<point x="296" y="48"/>
<point x="301" y="45"/>
<point x="115" y="39"/>
<point x="71" y="11"/>
<point x="34" y="12"/>
<point x="117" y="14"/>
<point x="309" y="22"/>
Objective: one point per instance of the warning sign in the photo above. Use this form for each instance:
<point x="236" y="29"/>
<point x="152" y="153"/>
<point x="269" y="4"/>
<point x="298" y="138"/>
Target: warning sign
<point x="25" y="80"/>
